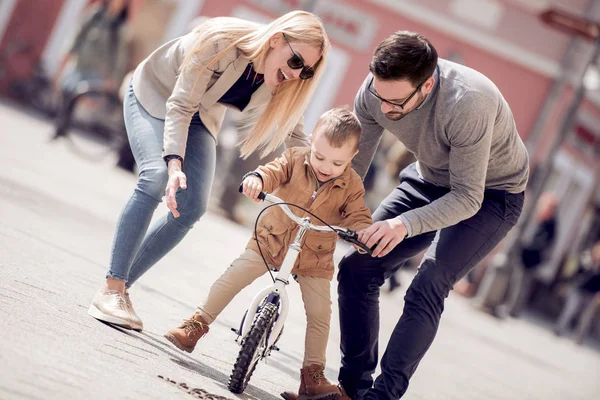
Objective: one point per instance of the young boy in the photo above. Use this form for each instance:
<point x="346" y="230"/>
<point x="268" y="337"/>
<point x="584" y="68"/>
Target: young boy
<point x="320" y="179"/>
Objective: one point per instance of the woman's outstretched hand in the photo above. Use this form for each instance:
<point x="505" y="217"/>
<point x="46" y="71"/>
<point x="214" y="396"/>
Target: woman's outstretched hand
<point x="177" y="180"/>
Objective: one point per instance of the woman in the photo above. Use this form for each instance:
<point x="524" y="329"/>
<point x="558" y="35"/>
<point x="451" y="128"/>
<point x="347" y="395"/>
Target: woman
<point x="173" y="112"/>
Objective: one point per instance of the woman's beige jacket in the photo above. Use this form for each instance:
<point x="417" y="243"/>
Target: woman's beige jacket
<point x="166" y="94"/>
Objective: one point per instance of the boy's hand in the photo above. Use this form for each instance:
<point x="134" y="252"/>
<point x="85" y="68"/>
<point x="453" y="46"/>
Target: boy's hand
<point x="252" y="186"/>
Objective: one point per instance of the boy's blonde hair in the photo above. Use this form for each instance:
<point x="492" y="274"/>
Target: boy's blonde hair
<point x="339" y="125"/>
<point x="289" y="99"/>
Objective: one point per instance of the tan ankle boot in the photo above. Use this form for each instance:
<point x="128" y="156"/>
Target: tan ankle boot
<point x="187" y="334"/>
<point x="314" y="385"/>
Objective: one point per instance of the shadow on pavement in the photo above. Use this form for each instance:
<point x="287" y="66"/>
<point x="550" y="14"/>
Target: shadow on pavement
<point x="251" y="392"/>
<point x="191" y="364"/>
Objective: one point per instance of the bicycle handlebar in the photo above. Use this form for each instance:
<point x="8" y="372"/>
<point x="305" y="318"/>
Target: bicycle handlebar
<point x="343" y="233"/>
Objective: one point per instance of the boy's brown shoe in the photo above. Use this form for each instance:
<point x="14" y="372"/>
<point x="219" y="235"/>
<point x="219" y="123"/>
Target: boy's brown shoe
<point x="314" y="385"/>
<point x="294" y="396"/>
<point x="187" y="334"/>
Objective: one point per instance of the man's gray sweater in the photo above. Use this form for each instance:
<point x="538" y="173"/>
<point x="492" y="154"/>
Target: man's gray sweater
<point x="464" y="138"/>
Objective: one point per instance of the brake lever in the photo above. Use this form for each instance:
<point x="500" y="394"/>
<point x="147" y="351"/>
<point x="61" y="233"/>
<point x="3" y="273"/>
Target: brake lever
<point x="352" y="237"/>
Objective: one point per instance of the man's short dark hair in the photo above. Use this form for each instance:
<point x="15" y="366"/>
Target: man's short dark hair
<point x="404" y="55"/>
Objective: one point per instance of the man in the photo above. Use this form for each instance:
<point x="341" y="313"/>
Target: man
<point x="459" y="200"/>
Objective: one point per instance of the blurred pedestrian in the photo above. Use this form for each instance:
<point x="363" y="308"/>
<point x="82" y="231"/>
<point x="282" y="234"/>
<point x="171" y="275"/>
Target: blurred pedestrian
<point x="99" y="53"/>
<point x="533" y="253"/>
<point x="173" y="113"/>
<point x="458" y="201"/>
<point x="583" y="299"/>
<point x="92" y="70"/>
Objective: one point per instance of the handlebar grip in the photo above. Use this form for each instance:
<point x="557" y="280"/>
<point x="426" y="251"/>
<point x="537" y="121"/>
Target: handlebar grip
<point x="352" y="237"/>
<point x="261" y="195"/>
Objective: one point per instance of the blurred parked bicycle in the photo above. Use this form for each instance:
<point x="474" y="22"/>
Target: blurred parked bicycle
<point x="102" y="132"/>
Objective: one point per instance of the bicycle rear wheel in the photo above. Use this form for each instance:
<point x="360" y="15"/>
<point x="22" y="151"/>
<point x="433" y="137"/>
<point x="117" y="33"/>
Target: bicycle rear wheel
<point x="253" y="348"/>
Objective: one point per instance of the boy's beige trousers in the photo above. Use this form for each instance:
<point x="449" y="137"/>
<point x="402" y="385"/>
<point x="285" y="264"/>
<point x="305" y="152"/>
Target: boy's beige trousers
<point x="315" y="294"/>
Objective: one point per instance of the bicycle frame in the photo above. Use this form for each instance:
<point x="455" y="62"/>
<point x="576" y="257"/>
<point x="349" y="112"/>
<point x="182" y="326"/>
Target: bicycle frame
<point x="278" y="287"/>
<point x="262" y="328"/>
<point x="281" y="280"/>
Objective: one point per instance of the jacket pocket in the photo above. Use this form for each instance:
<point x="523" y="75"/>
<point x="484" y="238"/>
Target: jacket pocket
<point x="273" y="234"/>
<point x="318" y="251"/>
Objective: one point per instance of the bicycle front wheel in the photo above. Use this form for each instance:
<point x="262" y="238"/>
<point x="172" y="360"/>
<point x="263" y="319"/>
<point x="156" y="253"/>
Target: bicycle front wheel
<point x="253" y="348"/>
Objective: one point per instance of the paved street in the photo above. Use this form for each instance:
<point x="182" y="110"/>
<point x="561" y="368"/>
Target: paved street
<point x="57" y="215"/>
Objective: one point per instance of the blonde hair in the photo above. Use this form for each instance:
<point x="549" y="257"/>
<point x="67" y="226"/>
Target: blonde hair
<point x="289" y="99"/>
<point x="339" y="125"/>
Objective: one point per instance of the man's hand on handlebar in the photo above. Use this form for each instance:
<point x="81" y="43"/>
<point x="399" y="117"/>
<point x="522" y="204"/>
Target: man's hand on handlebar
<point x="251" y="187"/>
<point x="383" y="236"/>
<point x="359" y="249"/>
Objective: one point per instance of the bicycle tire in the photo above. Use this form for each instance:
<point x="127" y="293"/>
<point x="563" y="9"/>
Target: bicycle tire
<point x="247" y="358"/>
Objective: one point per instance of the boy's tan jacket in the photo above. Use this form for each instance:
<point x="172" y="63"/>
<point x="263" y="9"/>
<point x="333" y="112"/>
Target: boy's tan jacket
<point x="337" y="202"/>
<point x="175" y="97"/>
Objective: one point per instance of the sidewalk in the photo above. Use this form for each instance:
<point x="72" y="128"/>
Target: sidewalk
<point x="57" y="215"/>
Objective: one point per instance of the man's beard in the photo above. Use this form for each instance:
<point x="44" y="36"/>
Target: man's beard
<point x="395" y="116"/>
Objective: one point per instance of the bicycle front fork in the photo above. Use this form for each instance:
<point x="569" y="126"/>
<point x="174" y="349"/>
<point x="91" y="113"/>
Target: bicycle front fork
<point x="277" y="290"/>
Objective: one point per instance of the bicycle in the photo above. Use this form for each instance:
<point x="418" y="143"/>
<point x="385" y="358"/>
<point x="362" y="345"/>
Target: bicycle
<point x="262" y="324"/>
<point x="107" y="127"/>
<point x="103" y="127"/>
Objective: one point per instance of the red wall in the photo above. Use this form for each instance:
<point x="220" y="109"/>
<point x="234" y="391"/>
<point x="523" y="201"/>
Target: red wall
<point x="31" y="25"/>
<point x="524" y="89"/>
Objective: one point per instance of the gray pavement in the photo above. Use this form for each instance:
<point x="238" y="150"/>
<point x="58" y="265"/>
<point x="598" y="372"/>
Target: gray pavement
<point x="57" y="215"/>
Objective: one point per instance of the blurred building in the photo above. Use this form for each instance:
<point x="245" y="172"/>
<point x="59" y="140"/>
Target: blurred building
<point x="535" y="67"/>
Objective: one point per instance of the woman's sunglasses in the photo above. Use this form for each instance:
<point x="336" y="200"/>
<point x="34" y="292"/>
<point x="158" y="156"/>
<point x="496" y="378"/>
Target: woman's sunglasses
<point x="296" y="62"/>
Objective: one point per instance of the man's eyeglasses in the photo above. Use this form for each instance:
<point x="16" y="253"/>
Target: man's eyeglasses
<point x="296" y="62"/>
<point x="391" y="103"/>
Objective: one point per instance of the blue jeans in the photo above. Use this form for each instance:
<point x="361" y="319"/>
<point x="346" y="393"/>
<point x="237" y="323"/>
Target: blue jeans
<point x="137" y="246"/>
<point x="452" y="252"/>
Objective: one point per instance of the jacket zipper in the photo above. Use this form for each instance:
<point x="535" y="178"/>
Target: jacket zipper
<point x="314" y="194"/>
<point x="317" y="189"/>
